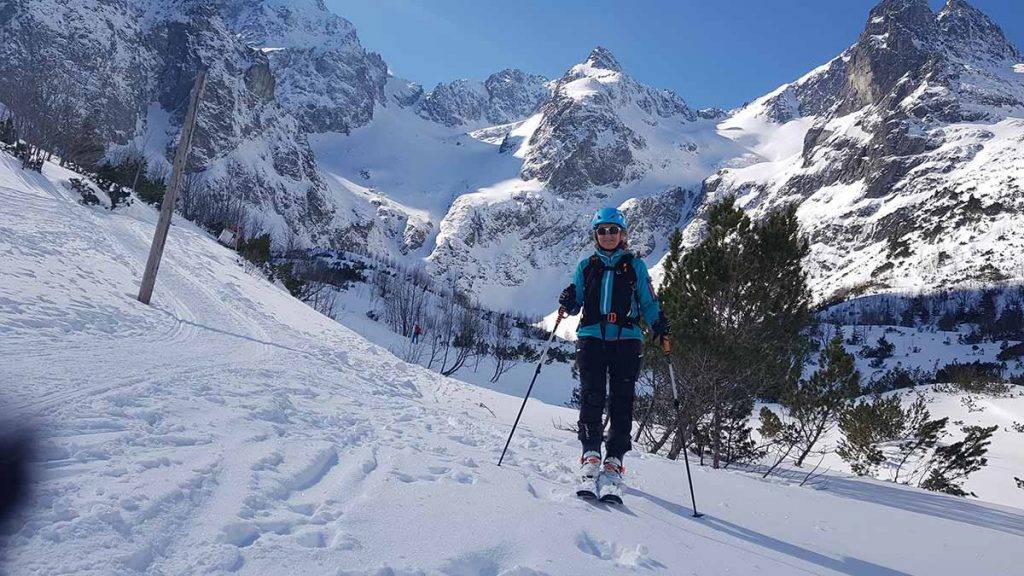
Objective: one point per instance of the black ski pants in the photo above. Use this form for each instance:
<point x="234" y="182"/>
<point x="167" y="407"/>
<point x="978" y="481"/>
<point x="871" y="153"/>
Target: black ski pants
<point x="608" y="372"/>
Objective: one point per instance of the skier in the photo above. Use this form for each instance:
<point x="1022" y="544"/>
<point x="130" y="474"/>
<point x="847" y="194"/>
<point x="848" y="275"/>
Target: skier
<point x="613" y="289"/>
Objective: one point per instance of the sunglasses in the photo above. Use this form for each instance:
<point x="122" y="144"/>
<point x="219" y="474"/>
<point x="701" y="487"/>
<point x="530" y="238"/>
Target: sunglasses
<point x="606" y="230"/>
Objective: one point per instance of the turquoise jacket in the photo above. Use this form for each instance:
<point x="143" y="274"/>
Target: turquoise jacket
<point x="649" y="307"/>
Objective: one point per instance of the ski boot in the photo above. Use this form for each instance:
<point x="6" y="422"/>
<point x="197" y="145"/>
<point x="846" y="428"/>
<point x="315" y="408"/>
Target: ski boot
<point x="590" y="467"/>
<point x="609" y="483"/>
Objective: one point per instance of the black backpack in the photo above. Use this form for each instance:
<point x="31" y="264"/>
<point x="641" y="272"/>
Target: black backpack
<point x="623" y="295"/>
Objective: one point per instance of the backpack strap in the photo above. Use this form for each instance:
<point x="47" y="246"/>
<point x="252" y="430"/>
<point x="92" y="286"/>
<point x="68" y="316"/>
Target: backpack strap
<point x="623" y="270"/>
<point x="625" y="264"/>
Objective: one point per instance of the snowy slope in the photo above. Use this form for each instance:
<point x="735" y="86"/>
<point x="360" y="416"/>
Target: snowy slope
<point x="505" y="209"/>
<point x="411" y="166"/>
<point x="902" y="153"/>
<point x="601" y="139"/>
<point x="993" y="483"/>
<point x="229" y="428"/>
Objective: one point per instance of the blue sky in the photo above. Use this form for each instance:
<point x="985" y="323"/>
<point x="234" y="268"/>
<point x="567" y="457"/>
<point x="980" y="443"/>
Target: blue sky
<point x="712" y="53"/>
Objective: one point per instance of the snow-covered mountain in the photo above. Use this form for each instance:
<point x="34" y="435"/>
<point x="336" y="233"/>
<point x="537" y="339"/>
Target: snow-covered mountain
<point x="902" y="151"/>
<point x="229" y="428"/>
<point x="903" y="154"/>
<point x="601" y="138"/>
<point x="505" y="97"/>
<point x="131" y="66"/>
<point x="597" y="125"/>
<point x="324" y="76"/>
<point x="504" y="209"/>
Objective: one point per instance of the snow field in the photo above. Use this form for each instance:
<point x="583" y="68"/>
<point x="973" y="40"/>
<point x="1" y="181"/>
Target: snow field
<point x="229" y="428"/>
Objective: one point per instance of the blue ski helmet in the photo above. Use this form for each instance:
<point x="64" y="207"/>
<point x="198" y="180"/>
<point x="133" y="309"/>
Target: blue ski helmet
<point x="609" y="215"/>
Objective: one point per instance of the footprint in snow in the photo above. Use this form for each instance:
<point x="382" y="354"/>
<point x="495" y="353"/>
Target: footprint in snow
<point x="465" y="440"/>
<point x="311" y="539"/>
<point x="635" y="557"/>
<point x="239" y="534"/>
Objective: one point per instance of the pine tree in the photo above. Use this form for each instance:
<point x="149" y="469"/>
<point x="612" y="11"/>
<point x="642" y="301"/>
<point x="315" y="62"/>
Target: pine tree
<point x="815" y="404"/>
<point x="84" y="146"/>
<point x="920" y="435"/>
<point x="911" y="438"/>
<point x="1010" y="325"/>
<point x="8" y="133"/>
<point x="865" y="425"/>
<point x="738" y="303"/>
<point x="948" y="321"/>
<point x="256" y="250"/>
<point x="954" y="463"/>
<point x="984" y="314"/>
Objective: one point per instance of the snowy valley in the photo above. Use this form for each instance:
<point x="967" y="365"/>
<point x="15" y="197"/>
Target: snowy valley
<point x="229" y="428"/>
<point x="327" y="389"/>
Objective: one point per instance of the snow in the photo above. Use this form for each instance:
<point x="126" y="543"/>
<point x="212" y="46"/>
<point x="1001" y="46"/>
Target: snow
<point x="401" y="155"/>
<point x="228" y="428"/>
<point x="993" y="483"/>
<point x="588" y="86"/>
<point x="974" y="159"/>
<point x="554" y="384"/>
<point x="928" y="350"/>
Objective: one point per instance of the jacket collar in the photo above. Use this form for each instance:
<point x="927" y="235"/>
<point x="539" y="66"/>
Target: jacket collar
<point x="610" y="258"/>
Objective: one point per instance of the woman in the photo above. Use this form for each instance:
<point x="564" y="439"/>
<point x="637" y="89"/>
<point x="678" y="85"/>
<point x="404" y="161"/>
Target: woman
<point x="613" y="289"/>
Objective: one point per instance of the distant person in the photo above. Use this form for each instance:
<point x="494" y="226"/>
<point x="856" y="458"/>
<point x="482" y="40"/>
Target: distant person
<point x="416" y="331"/>
<point x="613" y="289"/>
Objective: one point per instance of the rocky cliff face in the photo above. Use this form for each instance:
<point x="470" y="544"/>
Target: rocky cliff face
<point x="246" y="146"/>
<point x="98" y="69"/>
<point x="584" y="137"/>
<point x="900" y="153"/>
<point x="504" y="97"/>
<point x="130" y="63"/>
<point x="325" y="78"/>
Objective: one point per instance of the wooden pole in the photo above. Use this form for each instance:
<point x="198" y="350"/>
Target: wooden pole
<point x="156" y="251"/>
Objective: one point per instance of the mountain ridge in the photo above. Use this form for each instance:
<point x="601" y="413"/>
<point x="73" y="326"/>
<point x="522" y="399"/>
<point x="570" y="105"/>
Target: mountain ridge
<point x="899" y="154"/>
<point x="311" y="132"/>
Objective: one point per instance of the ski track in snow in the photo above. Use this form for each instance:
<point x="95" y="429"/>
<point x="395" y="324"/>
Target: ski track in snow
<point x="230" y="429"/>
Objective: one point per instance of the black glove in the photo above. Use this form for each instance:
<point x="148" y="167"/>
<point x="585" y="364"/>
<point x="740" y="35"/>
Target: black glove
<point x="660" y="328"/>
<point x="567" y="299"/>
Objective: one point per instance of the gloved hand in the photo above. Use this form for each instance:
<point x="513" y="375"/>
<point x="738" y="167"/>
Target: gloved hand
<point x="567" y="299"/>
<point x="660" y="328"/>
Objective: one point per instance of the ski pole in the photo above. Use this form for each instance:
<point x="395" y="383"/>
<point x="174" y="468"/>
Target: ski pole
<point x="667" y="347"/>
<point x="528" y="390"/>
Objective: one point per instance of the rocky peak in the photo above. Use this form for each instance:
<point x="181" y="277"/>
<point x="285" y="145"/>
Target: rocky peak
<point x="896" y="42"/>
<point x="914" y="16"/>
<point x="602" y="58"/>
<point x="969" y="33"/>
<point x="513" y="95"/>
<point x="594" y="129"/>
<point x="507" y="96"/>
<point x="323" y="75"/>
